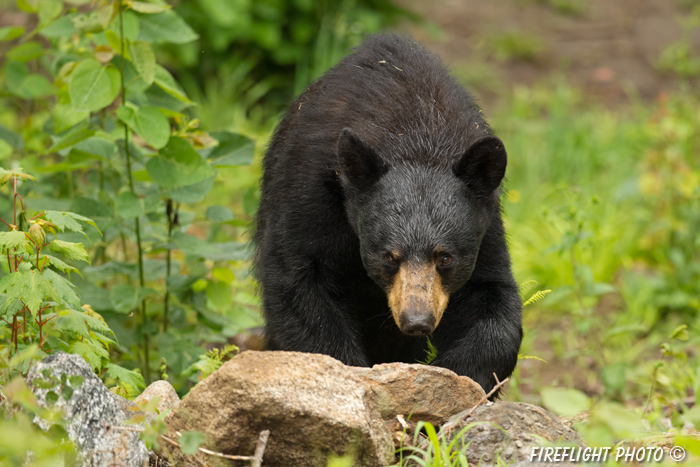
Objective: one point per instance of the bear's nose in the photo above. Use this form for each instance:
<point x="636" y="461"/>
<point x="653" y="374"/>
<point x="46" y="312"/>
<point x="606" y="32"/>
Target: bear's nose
<point x="417" y="324"/>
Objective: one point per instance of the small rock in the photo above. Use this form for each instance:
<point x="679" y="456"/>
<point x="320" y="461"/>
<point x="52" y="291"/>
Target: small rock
<point x="164" y="390"/>
<point x="312" y="404"/>
<point x="514" y="445"/>
<point x="90" y="412"/>
<point x="425" y="393"/>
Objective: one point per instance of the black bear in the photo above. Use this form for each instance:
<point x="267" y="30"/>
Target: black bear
<point x="380" y="222"/>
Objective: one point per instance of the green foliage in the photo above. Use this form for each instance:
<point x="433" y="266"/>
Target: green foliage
<point x="431" y="353"/>
<point x="514" y="46"/>
<point x="109" y="131"/>
<point x="212" y="361"/>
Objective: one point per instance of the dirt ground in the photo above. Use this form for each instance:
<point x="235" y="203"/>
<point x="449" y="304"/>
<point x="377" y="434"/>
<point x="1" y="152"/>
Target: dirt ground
<point x="607" y="47"/>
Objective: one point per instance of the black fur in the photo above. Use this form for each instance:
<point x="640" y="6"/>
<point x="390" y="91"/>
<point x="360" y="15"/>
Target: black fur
<point x="386" y="153"/>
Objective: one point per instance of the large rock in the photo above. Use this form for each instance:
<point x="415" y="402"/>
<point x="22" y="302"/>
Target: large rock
<point x="93" y="414"/>
<point x="166" y="394"/>
<point x="425" y="393"/>
<point x="312" y="404"/>
<point x="511" y="430"/>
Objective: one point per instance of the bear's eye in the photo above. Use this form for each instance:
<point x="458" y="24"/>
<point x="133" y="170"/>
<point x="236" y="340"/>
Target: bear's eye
<point x="444" y="259"/>
<point x="391" y="259"/>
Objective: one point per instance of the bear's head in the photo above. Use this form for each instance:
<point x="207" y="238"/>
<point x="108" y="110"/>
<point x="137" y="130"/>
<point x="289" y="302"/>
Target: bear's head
<point x="420" y="225"/>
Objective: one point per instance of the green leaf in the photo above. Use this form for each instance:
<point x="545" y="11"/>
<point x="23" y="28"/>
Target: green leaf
<point x="191" y="193"/>
<point x="48" y="11"/>
<point x="565" y="402"/>
<point x="193" y="246"/>
<point x="9" y="33"/>
<point x="76" y="381"/>
<point x="91" y="86"/>
<point x="97" y="20"/>
<point x="233" y="149"/>
<point x="92" y="351"/>
<point x="219" y="295"/>
<point x="31" y="287"/>
<point x="178" y="164"/>
<point x="219" y="214"/>
<point x="149" y="8"/>
<point x="144" y="60"/>
<point x="124" y="298"/>
<point x="51" y="398"/>
<point x="167" y="83"/>
<point x="30" y="6"/>
<point x="68" y="221"/>
<point x="26" y="52"/>
<point x="74" y="137"/>
<point x="74" y="251"/>
<point x="66" y="116"/>
<point x="66" y="392"/>
<point x="167" y="26"/>
<point x="128" y="205"/>
<point x="148" y="122"/>
<point x="56" y="263"/>
<point x="5" y="149"/>
<point x="67" y="293"/>
<point x="190" y="442"/>
<point x="80" y="323"/>
<point x="63" y="27"/>
<point x="125" y="377"/>
<point x="13" y="241"/>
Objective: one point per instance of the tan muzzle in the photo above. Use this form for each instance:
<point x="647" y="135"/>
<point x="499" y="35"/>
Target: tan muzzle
<point x="417" y="298"/>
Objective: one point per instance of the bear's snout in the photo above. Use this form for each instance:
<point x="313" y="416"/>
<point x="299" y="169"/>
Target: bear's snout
<point x="417" y="299"/>
<point x="417" y="323"/>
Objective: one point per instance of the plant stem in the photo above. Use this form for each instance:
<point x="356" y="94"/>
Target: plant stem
<point x="171" y="214"/>
<point x="137" y="225"/>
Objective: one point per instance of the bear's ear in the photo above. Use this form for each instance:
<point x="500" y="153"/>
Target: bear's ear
<point x="359" y="164"/>
<point x="483" y="166"/>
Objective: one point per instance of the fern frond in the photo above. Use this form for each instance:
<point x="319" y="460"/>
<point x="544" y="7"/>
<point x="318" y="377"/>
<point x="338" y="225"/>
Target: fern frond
<point x="430" y="353"/>
<point x="526" y="287"/>
<point x="530" y="357"/>
<point x="539" y="295"/>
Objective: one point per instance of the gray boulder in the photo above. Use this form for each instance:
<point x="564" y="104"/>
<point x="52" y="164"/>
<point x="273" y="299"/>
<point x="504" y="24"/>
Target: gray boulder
<point x="507" y="431"/>
<point x="93" y="414"/>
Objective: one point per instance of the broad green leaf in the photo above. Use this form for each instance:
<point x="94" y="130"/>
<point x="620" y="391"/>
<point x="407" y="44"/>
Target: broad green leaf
<point x="67" y="292"/>
<point x="97" y="146"/>
<point x="148" y="122"/>
<point x="131" y="27"/>
<point x="5" y="149"/>
<point x="66" y="116"/>
<point x="128" y="205"/>
<point x="26" y="52"/>
<point x="91" y="87"/>
<point x="97" y="20"/>
<point x="193" y="246"/>
<point x="219" y="214"/>
<point x="12" y="138"/>
<point x="31" y="287"/>
<point x="219" y="295"/>
<point x="149" y="8"/>
<point x="565" y="402"/>
<point x="62" y="27"/>
<point x="75" y="136"/>
<point x="165" y="27"/>
<point x="144" y="60"/>
<point x="124" y="298"/>
<point x="8" y="33"/>
<point x="13" y="240"/>
<point x="74" y="251"/>
<point x="167" y="83"/>
<point x="30" y="6"/>
<point x="190" y="442"/>
<point x="126" y="377"/>
<point x="193" y="193"/>
<point x="76" y="381"/>
<point x="48" y="11"/>
<point x="233" y="149"/>
<point x="178" y="164"/>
